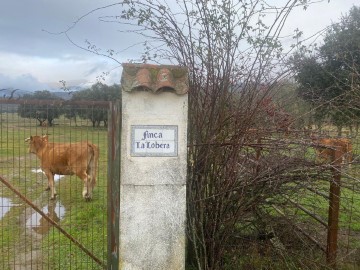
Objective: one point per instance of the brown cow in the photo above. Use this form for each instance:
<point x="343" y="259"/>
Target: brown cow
<point x="326" y="146"/>
<point x="79" y="158"/>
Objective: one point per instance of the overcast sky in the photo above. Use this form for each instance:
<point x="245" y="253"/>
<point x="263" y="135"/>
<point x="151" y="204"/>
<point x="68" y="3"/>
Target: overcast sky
<point x="33" y="59"/>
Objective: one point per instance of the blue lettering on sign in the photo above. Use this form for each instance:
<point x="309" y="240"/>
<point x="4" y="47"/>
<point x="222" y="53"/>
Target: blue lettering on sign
<point x="152" y="145"/>
<point x="154" y="141"/>
<point x="151" y="135"/>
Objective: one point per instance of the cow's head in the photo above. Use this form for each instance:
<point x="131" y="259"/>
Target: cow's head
<point x="36" y="143"/>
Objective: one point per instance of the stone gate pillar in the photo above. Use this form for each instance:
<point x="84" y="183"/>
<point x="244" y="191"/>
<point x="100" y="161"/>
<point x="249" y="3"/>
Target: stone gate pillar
<point x="153" y="167"/>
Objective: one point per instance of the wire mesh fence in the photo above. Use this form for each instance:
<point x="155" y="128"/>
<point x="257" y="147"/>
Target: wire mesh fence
<point x="291" y="225"/>
<point x="297" y="226"/>
<point x="348" y="235"/>
<point x="302" y="218"/>
<point x="28" y="240"/>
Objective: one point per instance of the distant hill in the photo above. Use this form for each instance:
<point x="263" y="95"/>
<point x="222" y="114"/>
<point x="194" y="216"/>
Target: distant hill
<point x="12" y="93"/>
<point x="18" y="93"/>
<point x="66" y="95"/>
<point x="63" y="95"/>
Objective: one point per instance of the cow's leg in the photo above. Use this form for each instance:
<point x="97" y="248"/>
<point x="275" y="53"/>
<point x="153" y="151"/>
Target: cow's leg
<point x="48" y="185"/>
<point x="92" y="167"/>
<point x="87" y="191"/>
<point x="51" y="183"/>
<point x="87" y="194"/>
<point x="91" y="181"/>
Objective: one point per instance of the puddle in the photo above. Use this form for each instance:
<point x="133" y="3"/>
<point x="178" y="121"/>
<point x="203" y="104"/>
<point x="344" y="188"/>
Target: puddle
<point x="5" y="206"/>
<point x="57" y="177"/>
<point x="39" y="224"/>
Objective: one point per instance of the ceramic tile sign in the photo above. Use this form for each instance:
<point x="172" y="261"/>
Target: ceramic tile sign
<point x="154" y="141"/>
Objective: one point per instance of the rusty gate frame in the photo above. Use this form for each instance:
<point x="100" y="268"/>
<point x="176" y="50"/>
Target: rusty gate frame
<point x="113" y="188"/>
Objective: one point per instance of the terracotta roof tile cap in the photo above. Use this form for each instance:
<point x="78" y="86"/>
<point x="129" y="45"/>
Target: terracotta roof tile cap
<point x="154" y="78"/>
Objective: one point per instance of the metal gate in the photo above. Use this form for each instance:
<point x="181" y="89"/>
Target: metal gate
<point x="68" y="232"/>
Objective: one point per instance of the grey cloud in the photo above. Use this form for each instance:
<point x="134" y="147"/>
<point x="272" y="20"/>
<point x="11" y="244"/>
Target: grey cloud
<point x="24" y="82"/>
<point x="21" y="24"/>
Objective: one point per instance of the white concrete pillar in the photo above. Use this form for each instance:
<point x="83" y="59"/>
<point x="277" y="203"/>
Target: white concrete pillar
<point x="153" y="167"/>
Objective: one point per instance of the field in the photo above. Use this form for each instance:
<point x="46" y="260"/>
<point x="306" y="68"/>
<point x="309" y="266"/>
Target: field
<point x="21" y="229"/>
<point x="26" y="239"/>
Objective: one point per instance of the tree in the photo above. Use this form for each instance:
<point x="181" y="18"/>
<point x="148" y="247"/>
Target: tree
<point x="329" y="78"/>
<point x="97" y="92"/>
<point x="42" y="113"/>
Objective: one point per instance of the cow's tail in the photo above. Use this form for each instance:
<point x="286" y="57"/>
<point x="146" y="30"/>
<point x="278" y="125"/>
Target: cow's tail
<point x="93" y="164"/>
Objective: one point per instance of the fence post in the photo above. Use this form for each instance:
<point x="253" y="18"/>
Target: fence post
<point x="334" y="204"/>
<point x="113" y="188"/>
<point x="153" y="167"/>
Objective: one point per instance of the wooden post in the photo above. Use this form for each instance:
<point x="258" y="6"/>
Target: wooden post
<point x="113" y="189"/>
<point x="257" y="155"/>
<point x="334" y="203"/>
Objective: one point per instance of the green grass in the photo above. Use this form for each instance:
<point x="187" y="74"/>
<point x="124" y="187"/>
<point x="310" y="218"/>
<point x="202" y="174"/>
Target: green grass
<point x="91" y="229"/>
<point x="349" y="215"/>
<point x="87" y="221"/>
<point x="349" y="222"/>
